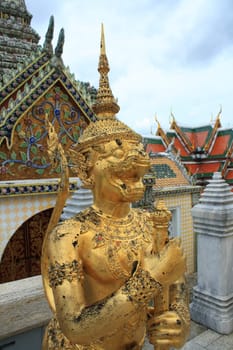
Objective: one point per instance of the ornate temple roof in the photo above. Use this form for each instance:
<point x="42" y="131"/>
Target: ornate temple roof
<point x="154" y="144"/>
<point x="31" y="81"/>
<point x="202" y="150"/>
<point x="40" y="85"/>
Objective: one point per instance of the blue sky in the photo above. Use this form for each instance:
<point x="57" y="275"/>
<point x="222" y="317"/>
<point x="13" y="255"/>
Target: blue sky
<point x="165" y="55"/>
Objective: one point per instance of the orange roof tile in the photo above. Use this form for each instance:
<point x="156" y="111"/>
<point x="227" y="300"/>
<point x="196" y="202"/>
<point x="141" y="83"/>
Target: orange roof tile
<point x="200" y="168"/>
<point x="155" y="148"/>
<point x="192" y="168"/>
<point x="179" y="146"/>
<point x="229" y="175"/>
<point x="198" y="139"/>
<point x="220" y="145"/>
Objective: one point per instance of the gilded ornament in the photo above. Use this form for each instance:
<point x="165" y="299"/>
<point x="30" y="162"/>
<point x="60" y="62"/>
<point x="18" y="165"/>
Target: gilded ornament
<point x="58" y="273"/>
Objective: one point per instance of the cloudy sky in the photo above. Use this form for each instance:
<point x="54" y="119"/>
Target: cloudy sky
<point x="165" y="55"/>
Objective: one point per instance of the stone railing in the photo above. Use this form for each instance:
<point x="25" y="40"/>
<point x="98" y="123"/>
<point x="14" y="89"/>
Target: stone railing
<point x="23" y="306"/>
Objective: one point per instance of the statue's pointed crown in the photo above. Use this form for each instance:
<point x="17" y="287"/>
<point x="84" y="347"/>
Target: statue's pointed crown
<point x="107" y="127"/>
<point x="105" y="106"/>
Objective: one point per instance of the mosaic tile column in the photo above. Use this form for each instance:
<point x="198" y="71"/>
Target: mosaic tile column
<point x="212" y="303"/>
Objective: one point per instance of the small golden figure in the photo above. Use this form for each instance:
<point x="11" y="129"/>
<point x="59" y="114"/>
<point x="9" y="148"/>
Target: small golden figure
<point x="103" y="268"/>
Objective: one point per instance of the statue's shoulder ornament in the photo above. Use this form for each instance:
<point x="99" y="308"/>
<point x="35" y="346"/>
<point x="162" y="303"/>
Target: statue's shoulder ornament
<point x="64" y="229"/>
<point x="88" y="220"/>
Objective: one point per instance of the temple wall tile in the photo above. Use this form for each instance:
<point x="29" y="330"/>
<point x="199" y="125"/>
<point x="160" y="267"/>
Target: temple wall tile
<point x="182" y="203"/>
<point x="15" y="211"/>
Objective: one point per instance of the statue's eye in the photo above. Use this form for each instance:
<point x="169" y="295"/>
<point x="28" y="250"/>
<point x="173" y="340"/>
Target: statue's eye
<point x="118" y="142"/>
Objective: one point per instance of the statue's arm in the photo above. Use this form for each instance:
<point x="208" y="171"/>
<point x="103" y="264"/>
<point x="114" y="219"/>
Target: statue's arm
<point x="171" y="327"/>
<point x="82" y="323"/>
<point x="179" y="302"/>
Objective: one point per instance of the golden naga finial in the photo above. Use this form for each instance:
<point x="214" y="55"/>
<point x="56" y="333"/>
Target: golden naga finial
<point x="157" y="121"/>
<point x="220" y="110"/>
<point x="217" y="121"/>
<point x="172" y="118"/>
<point x="211" y="118"/>
<point x="105" y="105"/>
<point x="219" y="114"/>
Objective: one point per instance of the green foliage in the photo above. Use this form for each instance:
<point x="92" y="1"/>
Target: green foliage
<point x="66" y="115"/>
<point x="58" y="169"/>
<point x="65" y="97"/>
<point x="43" y="160"/>
<point x="18" y="128"/>
<point x="64" y="140"/>
<point x="3" y="155"/>
<point x="13" y="155"/>
<point x="38" y="134"/>
<point x="23" y="156"/>
<point x="40" y="171"/>
<point x="34" y="150"/>
<point x="34" y="159"/>
<point x="24" y="145"/>
<point x="75" y="135"/>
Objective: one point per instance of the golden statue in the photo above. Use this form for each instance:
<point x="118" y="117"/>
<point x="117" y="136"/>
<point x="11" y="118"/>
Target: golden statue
<point x="110" y="273"/>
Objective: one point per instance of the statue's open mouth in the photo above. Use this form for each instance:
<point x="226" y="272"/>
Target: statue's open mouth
<point x="128" y="175"/>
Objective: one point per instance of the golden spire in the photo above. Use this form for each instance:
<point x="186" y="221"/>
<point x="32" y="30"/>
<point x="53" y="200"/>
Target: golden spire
<point x="105" y="105"/>
<point x="102" y="43"/>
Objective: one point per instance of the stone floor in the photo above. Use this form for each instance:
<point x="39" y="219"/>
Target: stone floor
<point x="200" y="337"/>
<point x="210" y="340"/>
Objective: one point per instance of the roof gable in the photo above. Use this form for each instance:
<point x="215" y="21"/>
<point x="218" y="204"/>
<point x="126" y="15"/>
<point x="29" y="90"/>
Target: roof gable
<point x="154" y="144"/>
<point x="198" y="136"/>
<point x="28" y="86"/>
<point x="222" y="143"/>
<point x="40" y="88"/>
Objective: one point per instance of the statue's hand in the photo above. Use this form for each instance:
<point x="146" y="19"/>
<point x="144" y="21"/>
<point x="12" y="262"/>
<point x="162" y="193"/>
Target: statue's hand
<point x="168" y="266"/>
<point x="166" y="329"/>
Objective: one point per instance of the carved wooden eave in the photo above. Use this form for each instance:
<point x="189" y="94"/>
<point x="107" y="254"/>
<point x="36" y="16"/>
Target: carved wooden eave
<point x="227" y="162"/>
<point x="160" y="132"/>
<point x="187" y="143"/>
<point x="217" y="125"/>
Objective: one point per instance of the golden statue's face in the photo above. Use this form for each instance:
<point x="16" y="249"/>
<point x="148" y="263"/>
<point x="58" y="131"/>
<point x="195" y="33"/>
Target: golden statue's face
<point x="118" y="171"/>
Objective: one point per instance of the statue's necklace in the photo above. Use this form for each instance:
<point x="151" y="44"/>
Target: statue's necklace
<point x="122" y="239"/>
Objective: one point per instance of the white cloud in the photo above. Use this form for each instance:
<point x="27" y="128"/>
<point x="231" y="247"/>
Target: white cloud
<point x="163" y="54"/>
